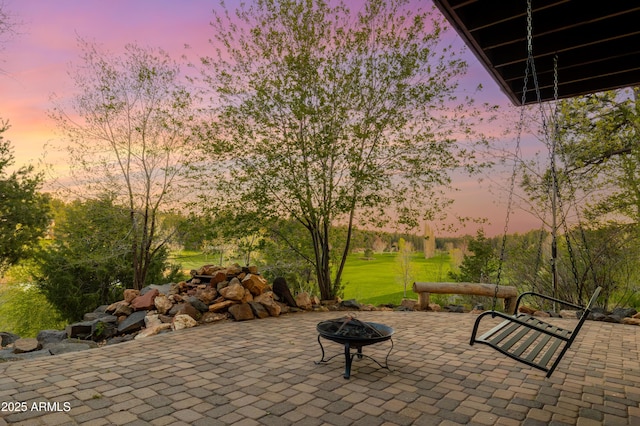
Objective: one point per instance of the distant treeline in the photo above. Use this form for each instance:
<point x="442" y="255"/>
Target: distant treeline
<point x="381" y="241"/>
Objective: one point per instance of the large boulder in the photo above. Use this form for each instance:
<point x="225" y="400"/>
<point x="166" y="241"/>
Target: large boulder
<point x="281" y="289"/>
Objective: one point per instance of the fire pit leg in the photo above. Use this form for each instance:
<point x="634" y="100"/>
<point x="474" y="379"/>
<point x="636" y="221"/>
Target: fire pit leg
<point x="322" y="360"/>
<point x="348" y="359"/>
<point x="322" y="349"/>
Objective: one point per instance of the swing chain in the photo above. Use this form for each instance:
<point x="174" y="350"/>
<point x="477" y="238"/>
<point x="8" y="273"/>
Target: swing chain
<point x="528" y="68"/>
<point x="572" y="259"/>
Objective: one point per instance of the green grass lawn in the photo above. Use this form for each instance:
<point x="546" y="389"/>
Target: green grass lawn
<point x="193" y="259"/>
<point x="378" y="281"/>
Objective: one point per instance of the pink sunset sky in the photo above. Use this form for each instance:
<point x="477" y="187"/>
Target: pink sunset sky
<point x="34" y="65"/>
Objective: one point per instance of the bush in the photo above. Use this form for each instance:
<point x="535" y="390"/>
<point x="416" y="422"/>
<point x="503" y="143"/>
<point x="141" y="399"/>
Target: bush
<point x="24" y="310"/>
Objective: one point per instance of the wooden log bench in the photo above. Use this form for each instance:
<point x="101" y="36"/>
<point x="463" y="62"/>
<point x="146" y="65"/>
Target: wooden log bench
<point x="508" y="293"/>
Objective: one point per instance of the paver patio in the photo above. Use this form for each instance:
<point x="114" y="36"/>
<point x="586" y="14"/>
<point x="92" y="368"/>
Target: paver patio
<point x="262" y="372"/>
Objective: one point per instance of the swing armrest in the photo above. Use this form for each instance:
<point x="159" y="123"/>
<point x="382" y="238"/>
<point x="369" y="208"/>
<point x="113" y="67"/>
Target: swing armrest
<point x="543" y="296"/>
<point x="517" y="320"/>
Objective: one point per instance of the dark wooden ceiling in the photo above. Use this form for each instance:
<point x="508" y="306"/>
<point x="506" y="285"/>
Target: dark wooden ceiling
<point x="597" y="43"/>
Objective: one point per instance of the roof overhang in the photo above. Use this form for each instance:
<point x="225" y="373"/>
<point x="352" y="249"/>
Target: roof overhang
<point x="597" y="43"/>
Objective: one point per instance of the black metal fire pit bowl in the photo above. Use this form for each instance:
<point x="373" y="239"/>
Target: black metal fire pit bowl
<point x="353" y="334"/>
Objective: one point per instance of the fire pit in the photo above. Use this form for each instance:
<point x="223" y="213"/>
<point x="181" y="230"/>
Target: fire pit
<point x="353" y="334"/>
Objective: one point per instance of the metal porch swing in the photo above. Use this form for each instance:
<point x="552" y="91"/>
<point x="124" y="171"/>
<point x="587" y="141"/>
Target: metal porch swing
<point x="521" y="336"/>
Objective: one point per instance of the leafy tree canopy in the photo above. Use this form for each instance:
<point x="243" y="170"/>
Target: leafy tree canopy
<point x="600" y="144"/>
<point x="127" y="133"/>
<point x="23" y="209"/>
<point x="329" y="115"/>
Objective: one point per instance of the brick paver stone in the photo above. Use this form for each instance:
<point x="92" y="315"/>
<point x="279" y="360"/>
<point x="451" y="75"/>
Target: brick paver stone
<point x="262" y="372"/>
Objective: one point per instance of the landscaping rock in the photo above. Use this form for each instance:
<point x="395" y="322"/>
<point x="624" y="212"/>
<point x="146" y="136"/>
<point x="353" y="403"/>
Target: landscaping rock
<point x="234" y="291"/>
<point x="258" y="309"/>
<point x="144" y="302"/>
<point x="567" y="313"/>
<point x="266" y="300"/>
<point x="241" y="312"/>
<point x="130" y="294"/>
<point x="624" y="312"/>
<point x="183" y="321"/>
<point x="81" y="330"/>
<point x="8" y="355"/>
<point x="409" y="304"/>
<point x="198" y="304"/>
<point x="134" y="322"/>
<point x="221" y="306"/>
<point x="51" y="336"/>
<point x="70" y="345"/>
<point x="206" y="296"/>
<point x="188" y="309"/>
<point x="28" y="344"/>
<point x="303" y="301"/>
<point x="165" y="289"/>
<point x="162" y="303"/>
<point x="350" y="304"/>
<point x="153" y="330"/>
<point x="7" y="338"/>
<point x="255" y="284"/>
<point x="209" y="317"/>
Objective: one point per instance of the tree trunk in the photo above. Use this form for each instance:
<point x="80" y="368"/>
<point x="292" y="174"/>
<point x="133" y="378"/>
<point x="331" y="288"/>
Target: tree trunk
<point x="322" y="265"/>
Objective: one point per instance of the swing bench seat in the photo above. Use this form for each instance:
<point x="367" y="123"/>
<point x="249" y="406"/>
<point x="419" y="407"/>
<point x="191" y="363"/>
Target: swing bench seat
<point x="528" y="339"/>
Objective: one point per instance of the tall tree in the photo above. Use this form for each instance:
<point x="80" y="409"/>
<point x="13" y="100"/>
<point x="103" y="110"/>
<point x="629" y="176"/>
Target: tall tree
<point x="600" y="136"/>
<point x="405" y="268"/>
<point x="128" y="134"/>
<point x="329" y="115"/>
<point x="24" y="211"/>
<point x="481" y="267"/>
